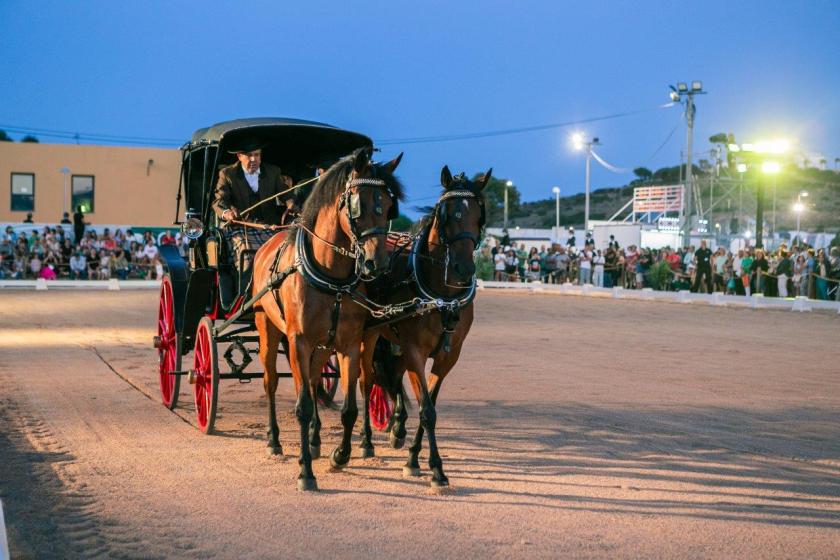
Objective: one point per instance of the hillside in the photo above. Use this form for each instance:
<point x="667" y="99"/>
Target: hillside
<point x="822" y="205"/>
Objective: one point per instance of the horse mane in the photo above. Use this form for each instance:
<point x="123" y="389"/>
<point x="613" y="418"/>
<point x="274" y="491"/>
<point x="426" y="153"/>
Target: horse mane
<point x="331" y="184"/>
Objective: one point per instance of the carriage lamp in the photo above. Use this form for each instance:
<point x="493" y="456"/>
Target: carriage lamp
<point x="192" y="226"/>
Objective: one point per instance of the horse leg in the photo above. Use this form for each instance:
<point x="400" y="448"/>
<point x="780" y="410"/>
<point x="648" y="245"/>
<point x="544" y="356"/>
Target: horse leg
<point x="300" y="358"/>
<point x="269" y="341"/>
<point x="367" y="385"/>
<point x="349" y="368"/>
<point x="315" y="426"/>
<point x="400" y="409"/>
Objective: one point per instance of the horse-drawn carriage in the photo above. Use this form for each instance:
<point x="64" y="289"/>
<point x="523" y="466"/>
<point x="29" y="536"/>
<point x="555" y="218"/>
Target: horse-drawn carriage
<point x="324" y="291"/>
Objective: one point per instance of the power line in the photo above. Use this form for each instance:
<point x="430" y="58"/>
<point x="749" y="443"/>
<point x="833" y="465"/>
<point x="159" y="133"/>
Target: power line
<point x="509" y="131"/>
<point x="90" y="136"/>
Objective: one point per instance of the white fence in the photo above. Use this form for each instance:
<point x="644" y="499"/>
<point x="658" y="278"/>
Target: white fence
<point x="112" y="284"/>
<point x="755" y="301"/>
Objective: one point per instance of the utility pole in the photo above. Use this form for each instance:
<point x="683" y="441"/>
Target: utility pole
<point x="683" y="94"/>
<point x="508" y="185"/>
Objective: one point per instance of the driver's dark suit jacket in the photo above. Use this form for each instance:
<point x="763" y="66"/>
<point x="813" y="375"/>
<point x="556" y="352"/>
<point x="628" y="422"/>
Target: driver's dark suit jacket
<point x="233" y="191"/>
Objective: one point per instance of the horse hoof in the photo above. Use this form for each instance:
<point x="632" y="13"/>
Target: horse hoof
<point x="315" y="451"/>
<point x="307" y="484"/>
<point x="337" y="461"/>
<point x="274" y="450"/>
<point x="411" y="471"/>
<point x="366" y="452"/>
<point x="440" y="483"/>
<point x="397" y="442"/>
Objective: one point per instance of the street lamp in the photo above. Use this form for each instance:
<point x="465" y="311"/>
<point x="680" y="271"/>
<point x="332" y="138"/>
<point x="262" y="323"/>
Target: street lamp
<point x="580" y="143"/>
<point x="556" y="191"/>
<point x="508" y="185"/>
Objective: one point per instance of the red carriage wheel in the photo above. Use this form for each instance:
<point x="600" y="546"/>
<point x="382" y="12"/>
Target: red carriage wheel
<point x="380" y="408"/>
<point x="205" y="375"/>
<point x="168" y="345"/>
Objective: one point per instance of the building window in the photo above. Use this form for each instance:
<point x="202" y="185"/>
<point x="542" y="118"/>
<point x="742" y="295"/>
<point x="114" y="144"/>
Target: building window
<point x="23" y="192"/>
<point x="82" y="193"/>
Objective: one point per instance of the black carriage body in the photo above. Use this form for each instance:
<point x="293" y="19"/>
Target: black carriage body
<point x="297" y="146"/>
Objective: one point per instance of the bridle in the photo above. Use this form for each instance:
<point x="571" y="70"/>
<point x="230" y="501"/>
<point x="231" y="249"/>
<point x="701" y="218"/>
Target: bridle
<point x="441" y="217"/>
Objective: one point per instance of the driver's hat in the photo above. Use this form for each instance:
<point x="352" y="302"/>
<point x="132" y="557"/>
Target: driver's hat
<point x="246" y="146"/>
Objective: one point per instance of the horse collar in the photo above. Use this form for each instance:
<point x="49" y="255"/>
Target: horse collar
<point x="316" y="278"/>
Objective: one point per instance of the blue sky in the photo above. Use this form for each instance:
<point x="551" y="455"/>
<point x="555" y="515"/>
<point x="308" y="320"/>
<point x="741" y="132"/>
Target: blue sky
<point x="396" y="70"/>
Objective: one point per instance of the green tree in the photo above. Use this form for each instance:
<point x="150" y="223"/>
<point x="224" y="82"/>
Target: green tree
<point x="29" y="139"/>
<point x="494" y="195"/>
<point x="643" y="173"/>
<point x="5" y="137"/>
<point x="402" y="223"/>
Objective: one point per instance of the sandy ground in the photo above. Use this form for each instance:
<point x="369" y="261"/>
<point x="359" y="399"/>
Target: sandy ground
<point x="572" y="427"/>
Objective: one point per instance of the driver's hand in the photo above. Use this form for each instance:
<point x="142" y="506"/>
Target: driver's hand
<point x="230" y="214"/>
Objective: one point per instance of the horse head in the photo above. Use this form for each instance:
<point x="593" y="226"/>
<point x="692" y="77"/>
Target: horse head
<point x="370" y="200"/>
<point x="458" y="221"/>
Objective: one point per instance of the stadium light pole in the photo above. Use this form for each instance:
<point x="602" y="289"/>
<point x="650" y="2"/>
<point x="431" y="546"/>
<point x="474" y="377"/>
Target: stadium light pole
<point x="798" y="208"/>
<point x="580" y="143"/>
<point x="685" y="95"/>
<point x="508" y="185"/>
<point x="556" y="191"/>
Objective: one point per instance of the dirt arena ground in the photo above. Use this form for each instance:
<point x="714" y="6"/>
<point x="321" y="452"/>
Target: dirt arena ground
<point x="572" y="427"/>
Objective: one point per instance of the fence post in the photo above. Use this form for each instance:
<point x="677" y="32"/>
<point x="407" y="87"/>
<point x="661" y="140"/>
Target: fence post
<point x="617" y="292"/>
<point x="684" y="296"/>
<point x="41" y="284"/>
<point x="113" y="284"/>
<point x="756" y="300"/>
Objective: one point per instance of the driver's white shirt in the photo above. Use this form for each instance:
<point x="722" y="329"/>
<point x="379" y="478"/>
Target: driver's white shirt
<point x="253" y="179"/>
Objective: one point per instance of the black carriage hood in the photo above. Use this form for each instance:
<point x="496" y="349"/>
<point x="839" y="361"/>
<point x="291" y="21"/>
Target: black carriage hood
<point x="288" y="142"/>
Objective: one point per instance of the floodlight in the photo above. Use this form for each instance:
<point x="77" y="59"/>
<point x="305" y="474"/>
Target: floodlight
<point x="510" y="183"/>
<point x="748" y="234"/>
<point x="556" y="190"/>
<point x="742" y="168"/>
<point x="674" y="96"/>
<point x="682" y="87"/>
<point x="696" y="86"/>
<point x="798" y="207"/>
<point x="577" y="141"/>
<point x="734" y="148"/>
<point x="771" y="167"/>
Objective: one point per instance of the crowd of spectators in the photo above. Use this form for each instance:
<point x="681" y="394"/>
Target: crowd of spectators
<point x="785" y="272"/>
<point x="53" y="252"/>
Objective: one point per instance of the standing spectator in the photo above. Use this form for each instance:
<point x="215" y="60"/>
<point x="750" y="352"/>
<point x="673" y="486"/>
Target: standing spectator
<point x="563" y="262"/>
<point x="65" y="218"/>
<point x="28" y="219"/>
<point x="719" y="264"/>
<point x="570" y="242"/>
<point x="79" y="224"/>
<point x="703" y="265"/>
<point x="759" y="269"/>
<point x="800" y="288"/>
<point x="585" y="266"/>
<point x="35" y="265"/>
<point x="599" y="260"/>
<point x="821" y="269"/>
<point x="499" y="265"/>
<point x="78" y="266"/>
<point x="784" y="270"/>
<point x="534" y="265"/>
<point x="631" y="259"/>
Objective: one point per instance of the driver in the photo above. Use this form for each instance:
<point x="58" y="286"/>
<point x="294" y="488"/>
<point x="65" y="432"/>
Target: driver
<point x="240" y="186"/>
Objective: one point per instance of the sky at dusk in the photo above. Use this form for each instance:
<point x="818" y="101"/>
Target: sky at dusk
<point x="402" y="70"/>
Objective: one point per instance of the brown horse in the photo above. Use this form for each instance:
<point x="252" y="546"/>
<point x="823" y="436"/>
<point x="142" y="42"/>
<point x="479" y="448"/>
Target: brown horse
<point x="438" y="270"/>
<point x="315" y="273"/>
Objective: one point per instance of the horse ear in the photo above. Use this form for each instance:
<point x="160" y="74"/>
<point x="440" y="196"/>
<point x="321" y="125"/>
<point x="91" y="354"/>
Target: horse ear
<point x="445" y="177"/>
<point x="361" y="160"/>
<point x="484" y="180"/>
<point x="391" y="166"/>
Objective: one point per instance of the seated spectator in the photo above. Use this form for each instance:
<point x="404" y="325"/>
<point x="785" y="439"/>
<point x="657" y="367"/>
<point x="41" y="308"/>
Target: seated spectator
<point x="48" y="273"/>
<point x="107" y="242"/>
<point x="119" y="265"/>
<point x="28" y="219"/>
<point x="150" y="251"/>
<point x="92" y="264"/>
<point x="104" y="264"/>
<point x="35" y="265"/>
<point x="167" y="238"/>
<point x="78" y="266"/>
